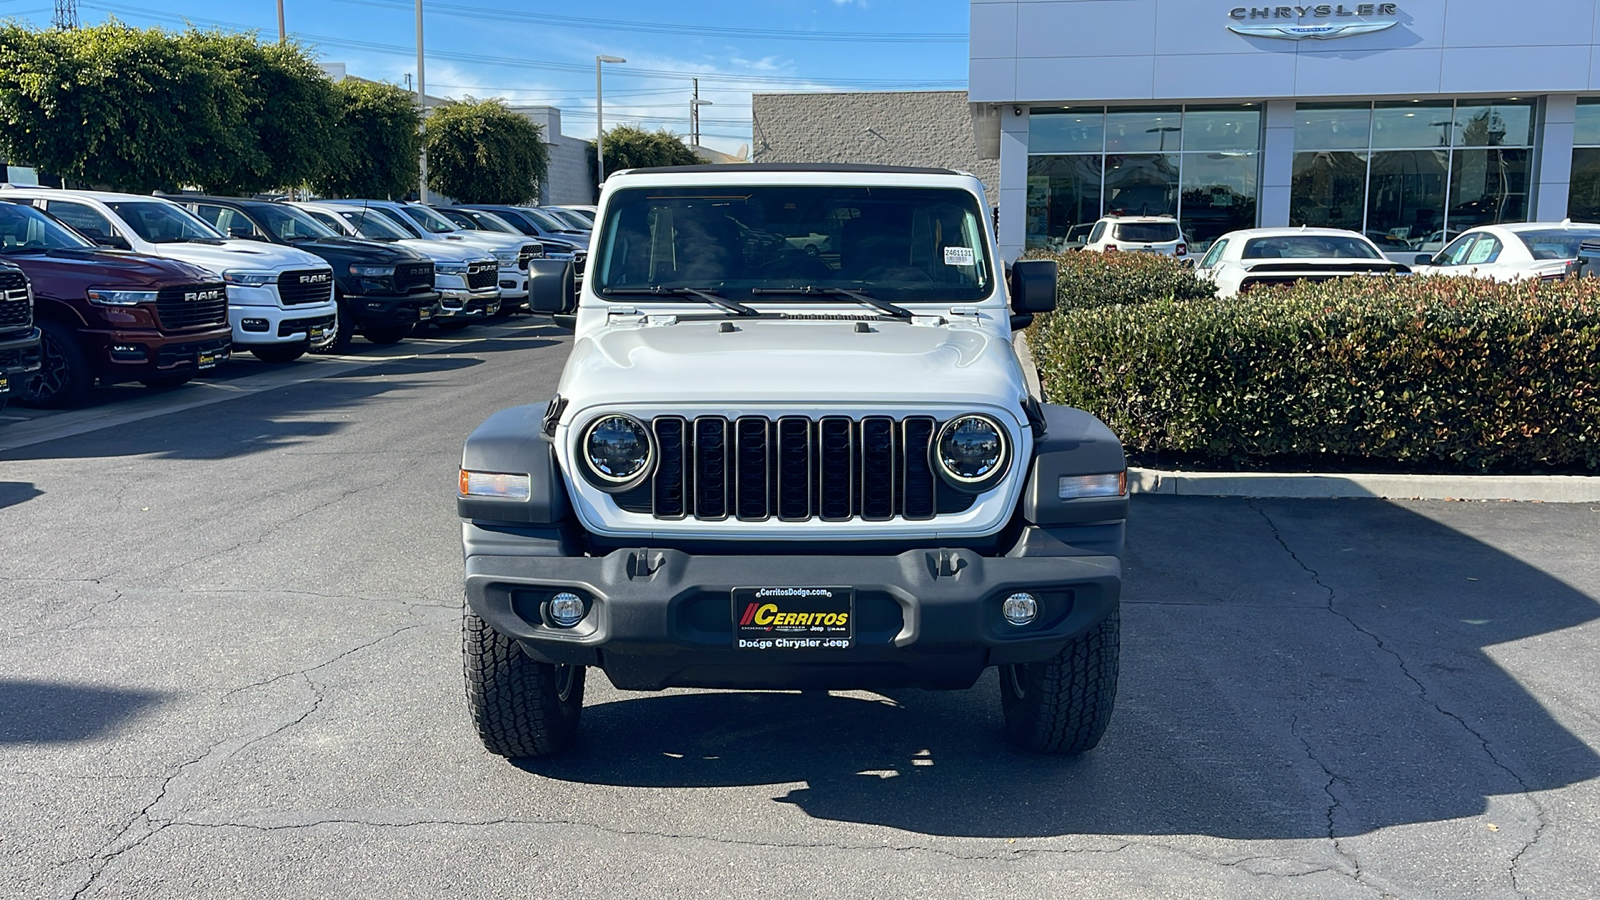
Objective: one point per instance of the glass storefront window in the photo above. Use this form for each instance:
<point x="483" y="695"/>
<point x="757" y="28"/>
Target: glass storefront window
<point x="1587" y="132"/>
<point x="1583" y="203"/>
<point x="1236" y="129"/>
<point x="1488" y="187"/>
<point x="1143" y="130"/>
<point x="1329" y="189"/>
<point x="1063" y="200"/>
<point x="1494" y="125"/>
<point x="1400" y="126"/>
<point x="1406" y="194"/>
<point x="1143" y="184"/>
<point x="1219" y="194"/>
<point x="1069" y="131"/>
<point x="1322" y="127"/>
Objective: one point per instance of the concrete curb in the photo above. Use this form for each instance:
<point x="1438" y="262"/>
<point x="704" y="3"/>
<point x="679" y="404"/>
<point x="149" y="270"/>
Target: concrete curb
<point x="1528" y="488"/>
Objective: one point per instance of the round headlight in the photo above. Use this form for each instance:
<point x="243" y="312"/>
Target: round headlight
<point x="971" y="452"/>
<point x="618" y="451"/>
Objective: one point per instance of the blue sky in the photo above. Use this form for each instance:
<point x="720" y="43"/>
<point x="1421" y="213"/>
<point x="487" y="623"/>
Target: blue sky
<point x="544" y="52"/>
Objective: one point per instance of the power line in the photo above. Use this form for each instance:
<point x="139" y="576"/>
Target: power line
<point x="771" y="34"/>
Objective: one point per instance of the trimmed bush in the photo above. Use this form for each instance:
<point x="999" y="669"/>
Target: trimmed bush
<point x="1427" y="374"/>
<point x="1086" y="280"/>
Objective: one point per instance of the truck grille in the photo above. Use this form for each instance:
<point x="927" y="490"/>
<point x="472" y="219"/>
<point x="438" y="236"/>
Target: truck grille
<point x="794" y="468"/>
<point x="413" y="277"/>
<point x="482" y="275"/>
<point x="305" y="286"/>
<point x="529" y="251"/>
<point x="191" y="306"/>
<point x="16" y="310"/>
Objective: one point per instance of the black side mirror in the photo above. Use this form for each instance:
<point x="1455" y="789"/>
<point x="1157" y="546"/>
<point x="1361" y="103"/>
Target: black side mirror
<point x="552" y="289"/>
<point x="1033" y="286"/>
<point x="1423" y="259"/>
<point x="114" y="241"/>
<point x="1188" y="262"/>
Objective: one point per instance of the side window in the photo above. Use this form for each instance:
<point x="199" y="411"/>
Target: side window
<point x="230" y="222"/>
<point x="1098" y="232"/>
<point x="1485" y="251"/>
<point x="1214" y="255"/>
<point x="326" y="219"/>
<point x="86" y="220"/>
<point x="1456" y="253"/>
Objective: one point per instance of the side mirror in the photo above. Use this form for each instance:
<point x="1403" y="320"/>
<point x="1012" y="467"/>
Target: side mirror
<point x="552" y="288"/>
<point x="1423" y="259"/>
<point x="1188" y="262"/>
<point x="1033" y="286"/>
<point x="114" y="241"/>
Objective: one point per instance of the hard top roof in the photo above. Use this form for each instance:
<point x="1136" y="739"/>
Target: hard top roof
<point x="734" y="170"/>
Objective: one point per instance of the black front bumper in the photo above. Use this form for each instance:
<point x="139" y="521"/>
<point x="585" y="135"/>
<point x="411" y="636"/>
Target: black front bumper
<point x="392" y="310"/>
<point x="19" y="355"/>
<point x="664" y="618"/>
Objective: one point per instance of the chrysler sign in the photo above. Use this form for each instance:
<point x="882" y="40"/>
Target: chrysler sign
<point x="1320" y="22"/>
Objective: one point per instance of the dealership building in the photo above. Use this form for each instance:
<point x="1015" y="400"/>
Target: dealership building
<point x="1407" y="121"/>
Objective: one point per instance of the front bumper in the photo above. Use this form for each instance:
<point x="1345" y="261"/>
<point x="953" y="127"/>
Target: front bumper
<point x="513" y="283"/>
<point x="257" y="325"/>
<point x="19" y="355"/>
<point x="392" y="310"/>
<point x="663" y="618"/>
<point x="121" y="355"/>
<point x="467" y="303"/>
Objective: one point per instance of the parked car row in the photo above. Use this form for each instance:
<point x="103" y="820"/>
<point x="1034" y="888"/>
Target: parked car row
<point x="108" y="288"/>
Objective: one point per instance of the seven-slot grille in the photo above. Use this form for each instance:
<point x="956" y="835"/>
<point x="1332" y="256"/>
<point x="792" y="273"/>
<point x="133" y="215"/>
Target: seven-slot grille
<point x="306" y="286"/>
<point x="482" y="275"/>
<point x="794" y="468"/>
<point x="192" y="305"/>
<point x="409" y="277"/>
<point x="15" y="310"/>
<point x="529" y="252"/>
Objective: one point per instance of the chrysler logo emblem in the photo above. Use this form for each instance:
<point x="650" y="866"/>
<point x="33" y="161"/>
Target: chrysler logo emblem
<point x="1290" y="22"/>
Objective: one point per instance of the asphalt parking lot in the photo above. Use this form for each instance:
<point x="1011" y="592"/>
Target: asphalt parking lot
<point x="231" y="647"/>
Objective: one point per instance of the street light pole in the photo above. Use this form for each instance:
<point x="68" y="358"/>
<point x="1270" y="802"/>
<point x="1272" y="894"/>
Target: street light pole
<point x="422" y="104"/>
<point x="599" y="117"/>
<point x="282" y="38"/>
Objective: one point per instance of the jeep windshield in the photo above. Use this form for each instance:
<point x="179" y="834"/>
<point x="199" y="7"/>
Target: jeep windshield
<point x="747" y="242"/>
<point x="160" y="222"/>
<point x="24" y="229"/>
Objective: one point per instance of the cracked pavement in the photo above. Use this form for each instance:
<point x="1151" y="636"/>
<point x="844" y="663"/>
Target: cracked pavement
<point x="231" y="643"/>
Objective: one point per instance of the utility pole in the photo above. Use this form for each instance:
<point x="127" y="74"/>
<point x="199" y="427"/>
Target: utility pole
<point x="283" y="37"/>
<point x="66" y="17"/>
<point x="694" y="113"/>
<point x="422" y="103"/>
<point x="599" y="118"/>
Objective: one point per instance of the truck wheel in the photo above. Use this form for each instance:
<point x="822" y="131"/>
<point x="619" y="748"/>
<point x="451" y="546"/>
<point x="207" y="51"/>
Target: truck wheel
<point x="344" y="331"/>
<point x="64" y="380"/>
<point x="387" y="335"/>
<point x="279" y="353"/>
<point x="520" y="707"/>
<point x="1062" y="705"/>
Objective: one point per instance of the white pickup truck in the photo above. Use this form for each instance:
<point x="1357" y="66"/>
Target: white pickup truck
<point x="771" y="469"/>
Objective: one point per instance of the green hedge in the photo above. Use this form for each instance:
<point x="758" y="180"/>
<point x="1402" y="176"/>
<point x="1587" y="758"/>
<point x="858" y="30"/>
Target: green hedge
<point x="1087" y="280"/>
<point x="1423" y="373"/>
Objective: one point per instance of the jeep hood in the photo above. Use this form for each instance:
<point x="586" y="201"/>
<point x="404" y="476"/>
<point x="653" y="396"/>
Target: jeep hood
<point x="790" y="361"/>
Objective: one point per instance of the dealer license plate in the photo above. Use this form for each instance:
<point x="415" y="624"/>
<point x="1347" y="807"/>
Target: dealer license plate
<point x="425" y="313"/>
<point x="794" y="618"/>
<point x="206" y="361"/>
<point x="318" y="336"/>
<point x="5" y="385"/>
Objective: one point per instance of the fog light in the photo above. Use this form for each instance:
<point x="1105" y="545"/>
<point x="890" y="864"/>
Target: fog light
<point x="128" y="352"/>
<point x="1020" y="609"/>
<point x="566" y="609"/>
<point x="253" y="324"/>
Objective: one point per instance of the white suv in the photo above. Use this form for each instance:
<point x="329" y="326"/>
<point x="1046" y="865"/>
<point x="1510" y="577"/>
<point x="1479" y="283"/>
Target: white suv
<point x="1138" y="234"/>
<point x="280" y="300"/>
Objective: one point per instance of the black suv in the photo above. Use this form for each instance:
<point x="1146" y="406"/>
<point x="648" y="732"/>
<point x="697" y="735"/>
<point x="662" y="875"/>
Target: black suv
<point x="19" y="339"/>
<point x="383" y="289"/>
<point x="559" y="241"/>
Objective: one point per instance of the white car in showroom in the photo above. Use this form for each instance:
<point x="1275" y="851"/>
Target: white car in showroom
<point x="1137" y="234"/>
<point x="1257" y="257"/>
<point x="1516" y="252"/>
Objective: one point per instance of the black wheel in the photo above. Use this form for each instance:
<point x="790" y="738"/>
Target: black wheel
<point x="521" y="707"/>
<point x="1062" y="705"/>
<point x="280" y="353"/>
<point x="169" y="381"/>
<point x="451" y="324"/>
<point x="64" y="378"/>
<point x="391" y="335"/>
<point x="344" y="331"/>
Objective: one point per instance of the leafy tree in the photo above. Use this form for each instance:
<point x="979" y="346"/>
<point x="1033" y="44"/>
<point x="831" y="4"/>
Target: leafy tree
<point x="380" y="145"/>
<point x="481" y="152"/>
<point x="630" y="147"/>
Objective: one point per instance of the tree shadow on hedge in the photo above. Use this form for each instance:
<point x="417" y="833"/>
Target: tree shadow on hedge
<point x="1253" y="704"/>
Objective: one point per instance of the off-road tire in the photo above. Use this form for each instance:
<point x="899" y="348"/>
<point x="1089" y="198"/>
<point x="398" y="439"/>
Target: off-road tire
<point x="1062" y="705"/>
<point x="166" y="381"/>
<point x="280" y="353"/>
<point x="64" y="380"/>
<point x="522" y="708"/>
<point x="391" y="335"/>
<point x="344" y="331"/>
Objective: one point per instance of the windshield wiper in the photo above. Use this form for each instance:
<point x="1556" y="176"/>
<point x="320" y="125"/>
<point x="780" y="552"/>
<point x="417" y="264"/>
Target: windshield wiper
<point x="879" y="305"/>
<point x="738" y="309"/>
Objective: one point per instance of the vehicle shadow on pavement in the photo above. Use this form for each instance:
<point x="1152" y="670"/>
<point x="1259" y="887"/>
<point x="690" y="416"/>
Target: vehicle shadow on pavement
<point x="13" y="493"/>
<point x="42" y="712"/>
<point x="1290" y="669"/>
<point x="271" y="419"/>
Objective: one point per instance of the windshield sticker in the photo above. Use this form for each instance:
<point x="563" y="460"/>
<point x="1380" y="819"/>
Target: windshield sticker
<point x="959" y="256"/>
